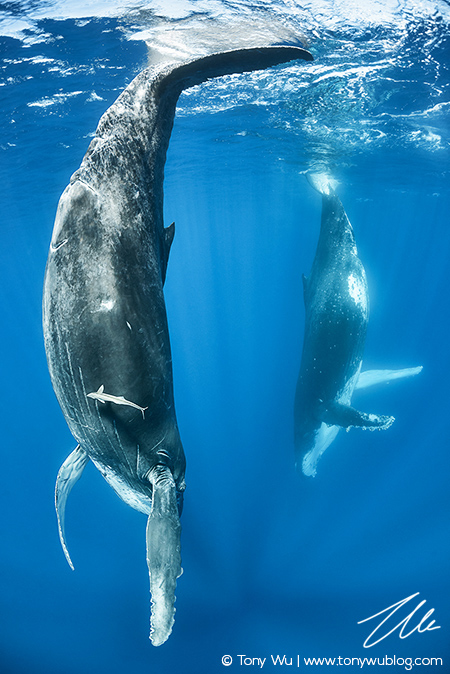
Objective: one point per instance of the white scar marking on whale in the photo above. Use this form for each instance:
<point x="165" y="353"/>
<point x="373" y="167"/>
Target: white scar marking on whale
<point x="58" y="245"/>
<point x="105" y="305"/>
<point x="356" y="290"/>
<point x="117" y="400"/>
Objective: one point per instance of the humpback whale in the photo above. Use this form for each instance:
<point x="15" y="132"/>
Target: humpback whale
<point x="336" y="316"/>
<point x="104" y="316"/>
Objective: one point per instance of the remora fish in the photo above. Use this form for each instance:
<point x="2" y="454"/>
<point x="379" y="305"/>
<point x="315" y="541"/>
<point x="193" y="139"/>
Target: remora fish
<point x="103" y="397"/>
<point x="337" y="312"/>
<point x="104" y="314"/>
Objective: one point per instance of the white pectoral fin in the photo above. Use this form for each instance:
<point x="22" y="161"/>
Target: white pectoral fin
<point x="323" y="439"/>
<point x="372" y="377"/>
<point x="163" y="553"/>
<point x="69" y="473"/>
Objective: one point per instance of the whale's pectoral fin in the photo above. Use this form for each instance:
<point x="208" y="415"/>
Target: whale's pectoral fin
<point x="336" y="414"/>
<point x="69" y="473"/>
<point x="372" y="377"/>
<point x="163" y="553"/>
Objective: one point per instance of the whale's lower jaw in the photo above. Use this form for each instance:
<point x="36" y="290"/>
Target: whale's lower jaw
<point x="131" y="497"/>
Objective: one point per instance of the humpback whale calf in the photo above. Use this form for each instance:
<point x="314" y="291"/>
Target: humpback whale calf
<point x="336" y="316"/>
<point x="104" y="316"/>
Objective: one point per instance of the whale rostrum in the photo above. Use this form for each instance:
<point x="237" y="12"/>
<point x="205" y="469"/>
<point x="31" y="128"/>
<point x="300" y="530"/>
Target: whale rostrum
<point x="104" y="316"/>
<point x="336" y="317"/>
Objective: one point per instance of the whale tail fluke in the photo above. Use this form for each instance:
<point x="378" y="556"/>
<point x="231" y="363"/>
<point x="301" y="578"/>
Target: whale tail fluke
<point x="163" y="553"/>
<point x="68" y="475"/>
<point x="232" y="62"/>
<point x="322" y="183"/>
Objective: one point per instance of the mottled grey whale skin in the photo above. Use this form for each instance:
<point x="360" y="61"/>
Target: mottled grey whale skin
<point x="336" y="318"/>
<point x="104" y="316"/>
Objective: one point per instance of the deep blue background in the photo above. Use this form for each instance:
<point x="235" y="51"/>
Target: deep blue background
<point x="272" y="563"/>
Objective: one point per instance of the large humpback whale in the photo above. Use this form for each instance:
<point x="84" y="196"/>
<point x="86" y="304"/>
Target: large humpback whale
<point x="104" y="315"/>
<point x="336" y="316"/>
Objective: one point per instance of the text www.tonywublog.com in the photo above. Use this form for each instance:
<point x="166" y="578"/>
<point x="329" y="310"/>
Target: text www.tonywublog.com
<point x="297" y="661"/>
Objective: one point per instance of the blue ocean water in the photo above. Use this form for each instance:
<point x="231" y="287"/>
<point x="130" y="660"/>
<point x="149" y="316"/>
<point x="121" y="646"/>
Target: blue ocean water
<point x="273" y="564"/>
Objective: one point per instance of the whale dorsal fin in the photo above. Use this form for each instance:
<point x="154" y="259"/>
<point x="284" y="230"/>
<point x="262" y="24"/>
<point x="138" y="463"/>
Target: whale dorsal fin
<point x="305" y="281"/>
<point x="169" y="233"/>
<point x="69" y="473"/>
<point x="337" y="414"/>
